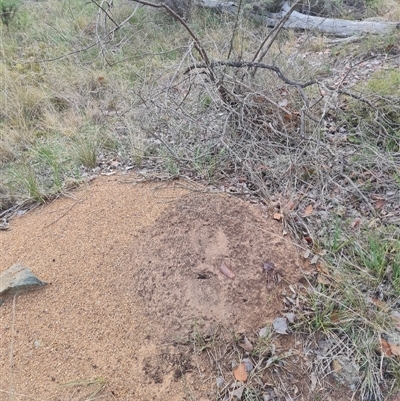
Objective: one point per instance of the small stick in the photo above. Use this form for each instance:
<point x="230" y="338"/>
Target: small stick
<point x="349" y="180"/>
<point x="55" y="221"/>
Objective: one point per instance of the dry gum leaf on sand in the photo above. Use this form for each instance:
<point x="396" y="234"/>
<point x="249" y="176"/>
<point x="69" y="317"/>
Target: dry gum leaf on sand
<point x="308" y="211"/>
<point x="224" y="269"/>
<point x="240" y="373"/>
<point x="246" y="344"/>
<point x="277" y="216"/>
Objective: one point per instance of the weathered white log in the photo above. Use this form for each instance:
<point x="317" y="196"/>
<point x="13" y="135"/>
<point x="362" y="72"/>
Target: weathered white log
<point x="227" y="6"/>
<point x="332" y="26"/>
<point x="337" y="27"/>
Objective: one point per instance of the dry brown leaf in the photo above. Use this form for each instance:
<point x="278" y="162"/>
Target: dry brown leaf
<point x="335" y="317"/>
<point x="380" y="304"/>
<point x="308" y="239"/>
<point x="324" y="280"/>
<point x="336" y="366"/>
<point x="240" y="373"/>
<point x="395" y="349"/>
<point x="277" y="216"/>
<point x="379" y="203"/>
<point x="385" y="347"/>
<point x="224" y="269"/>
<point x="320" y="268"/>
<point x="308" y="211"/>
<point x="246" y="344"/>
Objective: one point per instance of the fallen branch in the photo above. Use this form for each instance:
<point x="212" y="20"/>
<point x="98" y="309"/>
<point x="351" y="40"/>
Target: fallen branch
<point x="246" y="64"/>
<point x="296" y="20"/>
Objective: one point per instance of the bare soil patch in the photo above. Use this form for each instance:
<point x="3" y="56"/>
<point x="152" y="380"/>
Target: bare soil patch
<point x="134" y="272"/>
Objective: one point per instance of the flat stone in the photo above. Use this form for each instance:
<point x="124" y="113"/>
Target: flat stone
<point x="18" y="278"/>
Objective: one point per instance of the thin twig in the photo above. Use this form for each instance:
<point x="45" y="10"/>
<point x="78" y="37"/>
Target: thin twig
<point x="273" y="34"/>
<point x="48" y="60"/>
<point x="126" y="20"/>
<point x="106" y="13"/>
<point x="364" y="198"/>
<point x="64" y="214"/>
<point x="9" y="210"/>
<point x="174" y="155"/>
<point x="20" y="395"/>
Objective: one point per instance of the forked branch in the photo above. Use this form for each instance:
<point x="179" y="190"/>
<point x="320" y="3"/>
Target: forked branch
<point x="250" y="64"/>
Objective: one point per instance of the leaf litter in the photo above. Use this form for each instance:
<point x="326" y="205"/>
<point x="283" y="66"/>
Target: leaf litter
<point x="246" y="344"/>
<point x="280" y="325"/>
<point x="224" y="269"/>
<point x="240" y="372"/>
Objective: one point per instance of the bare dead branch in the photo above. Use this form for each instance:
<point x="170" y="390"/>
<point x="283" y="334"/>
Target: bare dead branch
<point x="235" y="28"/>
<point x="246" y="64"/>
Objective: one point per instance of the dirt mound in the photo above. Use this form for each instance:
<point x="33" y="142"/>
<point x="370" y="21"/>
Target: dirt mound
<point x="131" y="267"/>
<point x="181" y="255"/>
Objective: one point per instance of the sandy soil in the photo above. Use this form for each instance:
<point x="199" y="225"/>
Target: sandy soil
<point x="133" y="271"/>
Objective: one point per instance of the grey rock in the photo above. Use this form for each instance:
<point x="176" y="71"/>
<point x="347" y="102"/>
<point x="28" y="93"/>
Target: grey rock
<point x="18" y="278"/>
